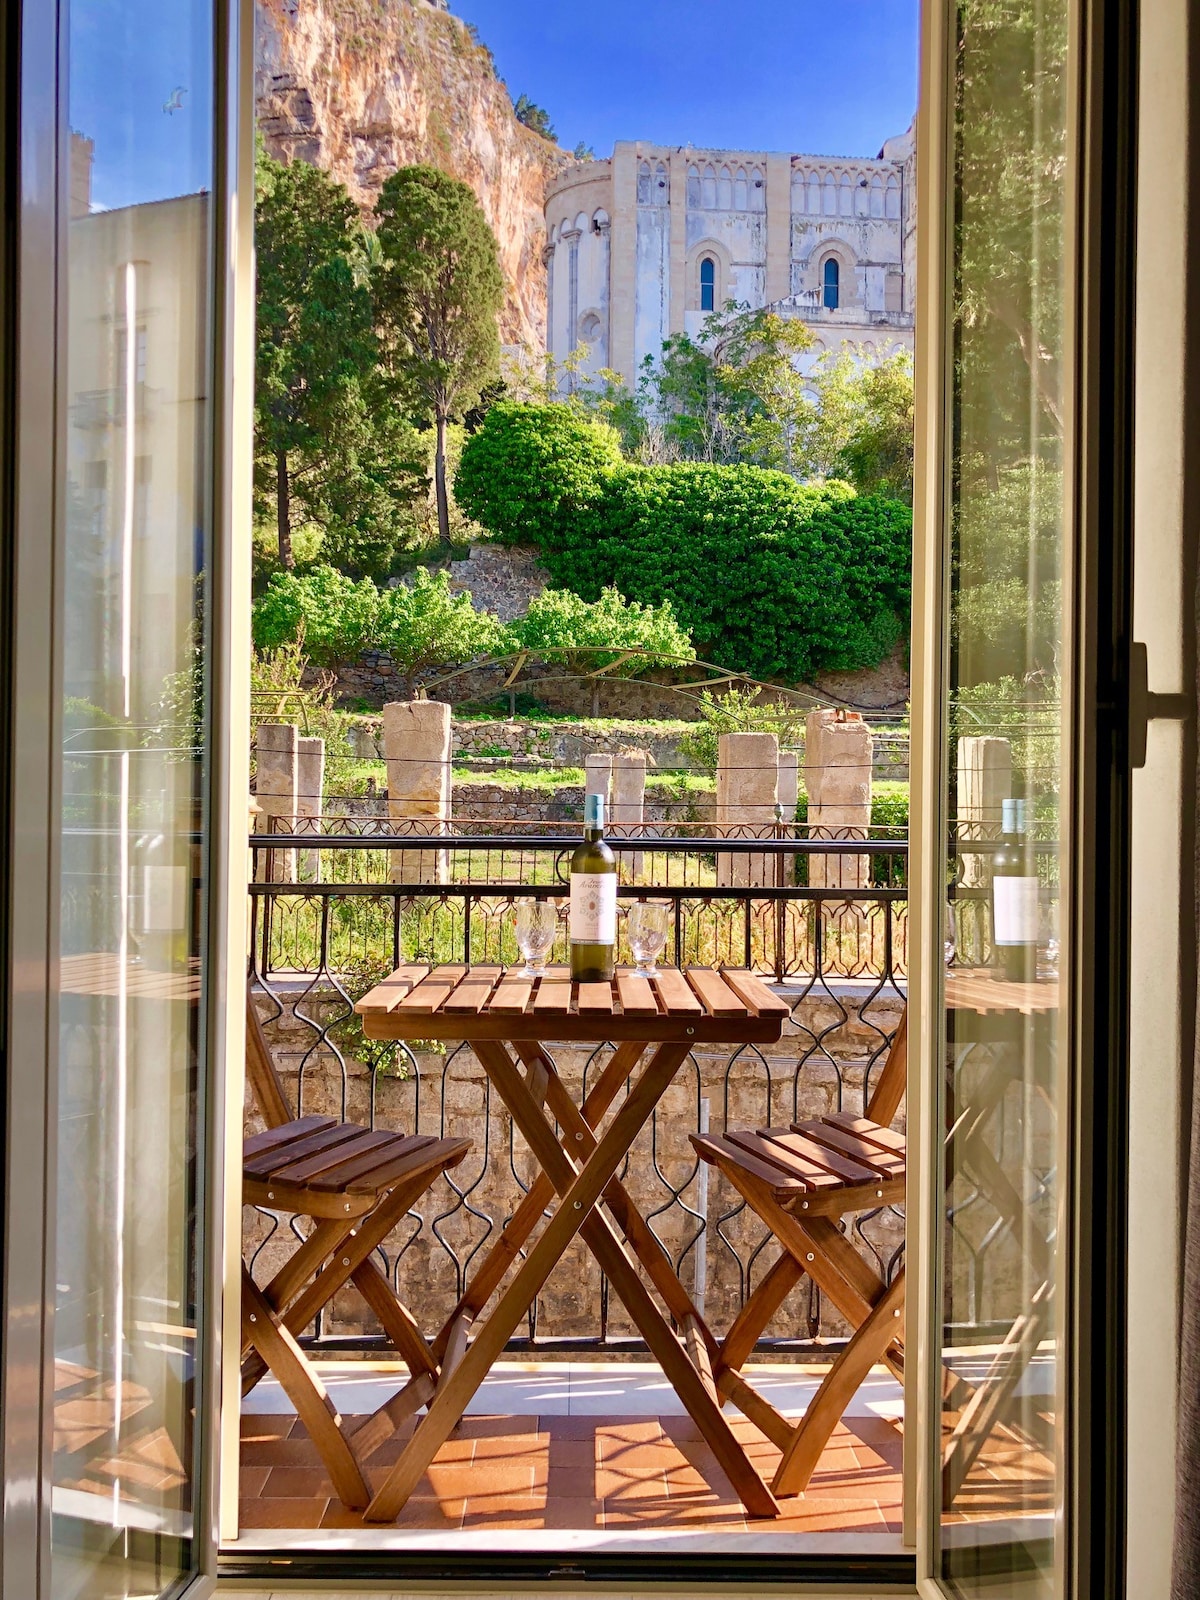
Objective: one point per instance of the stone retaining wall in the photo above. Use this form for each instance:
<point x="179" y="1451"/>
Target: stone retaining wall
<point x="450" y="1092"/>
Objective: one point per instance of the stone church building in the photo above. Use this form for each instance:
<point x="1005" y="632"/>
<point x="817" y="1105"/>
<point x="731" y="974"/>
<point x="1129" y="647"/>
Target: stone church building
<point x="644" y="245"/>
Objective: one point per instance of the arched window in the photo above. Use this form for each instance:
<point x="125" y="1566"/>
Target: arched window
<point x="845" y="196"/>
<point x="740" y="191"/>
<point x="829" y="196"/>
<point x="644" y="184"/>
<point x="876" y="197"/>
<point x="725" y="190"/>
<point x="660" y="185"/>
<point x="893" y="199"/>
<point x="709" y="189"/>
<point x="708" y="284"/>
<point x="814" y="195"/>
<point x="693" y="187"/>
<point x="831" y="279"/>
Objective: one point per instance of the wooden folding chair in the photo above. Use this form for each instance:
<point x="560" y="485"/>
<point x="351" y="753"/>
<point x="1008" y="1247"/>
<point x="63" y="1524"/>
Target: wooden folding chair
<point x="802" y="1181"/>
<point x="354" y="1184"/>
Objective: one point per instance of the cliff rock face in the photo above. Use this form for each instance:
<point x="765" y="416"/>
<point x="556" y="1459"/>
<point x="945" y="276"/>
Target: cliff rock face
<point x="361" y="87"/>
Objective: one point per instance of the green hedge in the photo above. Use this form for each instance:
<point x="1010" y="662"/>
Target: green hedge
<point x="771" y="577"/>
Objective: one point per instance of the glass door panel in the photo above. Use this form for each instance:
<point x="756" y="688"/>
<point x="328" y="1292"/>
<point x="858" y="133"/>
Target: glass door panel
<point x="136" y="539"/>
<point x="1002" y="1113"/>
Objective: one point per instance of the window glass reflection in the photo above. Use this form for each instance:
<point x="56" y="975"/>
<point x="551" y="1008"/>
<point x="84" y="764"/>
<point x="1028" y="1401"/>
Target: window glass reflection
<point x="136" y="539"/>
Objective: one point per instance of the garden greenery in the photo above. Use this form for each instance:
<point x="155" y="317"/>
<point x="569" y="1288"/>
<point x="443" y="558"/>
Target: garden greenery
<point x="771" y="577"/>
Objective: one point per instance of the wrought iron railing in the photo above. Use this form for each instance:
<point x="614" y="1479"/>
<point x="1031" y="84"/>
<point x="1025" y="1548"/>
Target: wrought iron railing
<point x="839" y="953"/>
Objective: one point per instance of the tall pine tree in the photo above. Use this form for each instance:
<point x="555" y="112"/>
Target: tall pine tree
<point x="438" y="295"/>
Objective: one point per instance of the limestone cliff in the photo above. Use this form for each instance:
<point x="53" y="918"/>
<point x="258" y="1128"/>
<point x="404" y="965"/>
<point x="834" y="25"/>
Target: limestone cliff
<point x="361" y="87"/>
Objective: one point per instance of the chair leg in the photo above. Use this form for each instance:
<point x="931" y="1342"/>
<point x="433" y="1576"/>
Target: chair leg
<point x="837" y="1389"/>
<point x="305" y="1390"/>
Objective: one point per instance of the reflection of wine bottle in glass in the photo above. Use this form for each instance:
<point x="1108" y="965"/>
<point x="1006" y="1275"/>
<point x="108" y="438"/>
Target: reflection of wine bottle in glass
<point x="1015" y="898"/>
<point x="593" y="900"/>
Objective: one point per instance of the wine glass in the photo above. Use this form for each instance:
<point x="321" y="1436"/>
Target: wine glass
<point x="950" y="944"/>
<point x="536" y="924"/>
<point x="647" y="932"/>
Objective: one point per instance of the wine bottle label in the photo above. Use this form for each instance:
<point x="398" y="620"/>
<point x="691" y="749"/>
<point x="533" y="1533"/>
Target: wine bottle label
<point x="593" y="908"/>
<point x="1015" y="910"/>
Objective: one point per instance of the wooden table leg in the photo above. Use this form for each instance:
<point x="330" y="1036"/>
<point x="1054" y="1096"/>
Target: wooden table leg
<point x="691" y="1378"/>
<point x="490" y="1274"/>
<point x="453" y="1397"/>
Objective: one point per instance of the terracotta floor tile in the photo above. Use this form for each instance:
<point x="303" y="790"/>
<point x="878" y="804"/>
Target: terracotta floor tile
<point x="629" y="1486"/>
<point x="484" y="1427"/>
<point x="802" y="1515"/>
<point x="298" y="1482"/>
<point x="573" y="1513"/>
<point x="506" y="1512"/>
<point x="281" y="1513"/>
<point x="251" y="1481"/>
<point x="570" y="1427"/>
<point x="481" y="1478"/>
<point x="252" y="1427"/>
<point x="619" y="1435"/>
<point x="575" y="1482"/>
<point x="569" y="1455"/>
<point x="280" y="1453"/>
<point x="495" y="1447"/>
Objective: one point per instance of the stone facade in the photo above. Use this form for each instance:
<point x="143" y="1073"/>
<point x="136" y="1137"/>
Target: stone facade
<point x="642" y="246"/>
<point x="449" y="1091"/>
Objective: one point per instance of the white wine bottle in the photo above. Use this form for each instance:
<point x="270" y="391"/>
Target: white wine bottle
<point x="593" y="900"/>
<point x="1015" y="898"/>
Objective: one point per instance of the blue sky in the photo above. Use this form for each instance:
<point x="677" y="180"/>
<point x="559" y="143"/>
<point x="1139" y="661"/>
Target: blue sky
<point x="830" y="78"/>
<point x="127" y="59"/>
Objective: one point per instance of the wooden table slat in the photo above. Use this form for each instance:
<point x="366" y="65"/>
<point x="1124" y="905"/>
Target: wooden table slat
<point x="384" y="996"/>
<point x="433" y="991"/>
<point x="595" y="999"/>
<point x="511" y="995"/>
<point x="471" y="995"/>
<point x="553" y="997"/>
<point x="676" y="996"/>
<point x="637" y="995"/>
<point x="755" y="993"/>
<point x="718" y="998"/>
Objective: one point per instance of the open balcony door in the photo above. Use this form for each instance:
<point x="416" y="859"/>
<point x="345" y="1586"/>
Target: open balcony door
<point x="1020" y="691"/>
<point x="126" y="311"/>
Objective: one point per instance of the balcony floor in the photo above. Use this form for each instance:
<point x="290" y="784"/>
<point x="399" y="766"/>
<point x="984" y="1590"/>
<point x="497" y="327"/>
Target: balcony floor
<point x="577" y="1446"/>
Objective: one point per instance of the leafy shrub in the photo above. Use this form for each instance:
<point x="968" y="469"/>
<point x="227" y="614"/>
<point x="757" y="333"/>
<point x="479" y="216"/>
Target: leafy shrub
<point x="561" y="626"/>
<point x="737" y="711"/>
<point x="333" y="615"/>
<point x="532" y="470"/>
<point x="428" y="625"/>
<point x="770" y="577"/>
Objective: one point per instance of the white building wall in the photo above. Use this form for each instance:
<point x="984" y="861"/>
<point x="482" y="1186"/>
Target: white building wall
<point x="858" y="210"/>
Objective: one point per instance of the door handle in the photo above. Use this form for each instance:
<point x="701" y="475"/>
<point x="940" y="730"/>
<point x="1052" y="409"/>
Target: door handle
<point x="1145" y="708"/>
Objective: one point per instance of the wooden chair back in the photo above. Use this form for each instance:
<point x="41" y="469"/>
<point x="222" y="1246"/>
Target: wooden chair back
<point x="888" y="1093"/>
<point x="265" y="1082"/>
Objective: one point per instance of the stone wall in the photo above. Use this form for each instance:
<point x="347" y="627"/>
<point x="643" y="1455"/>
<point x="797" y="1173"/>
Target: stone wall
<point x="449" y="1092"/>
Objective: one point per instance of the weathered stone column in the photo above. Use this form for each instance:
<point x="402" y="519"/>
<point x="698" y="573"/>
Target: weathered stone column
<point x="275" y="790"/>
<point x="837" y="775"/>
<point x="629" y="803"/>
<point x="747" y="794"/>
<point x="789" y="785"/>
<point x="416" y="744"/>
<point x="597" y="777"/>
<point x="310" y="790"/>
<point x="984" y="780"/>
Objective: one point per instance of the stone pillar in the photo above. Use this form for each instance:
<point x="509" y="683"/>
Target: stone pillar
<point x="622" y="313"/>
<point x="789" y="785"/>
<point x="629" y="803"/>
<point x="984" y="780"/>
<point x="416" y="744"/>
<point x="779" y="228"/>
<point x="747" y="794"/>
<point x="837" y="775"/>
<point x="310" y="790"/>
<point x="677" y="278"/>
<point x="275" y="790"/>
<point x="597" y="777"/>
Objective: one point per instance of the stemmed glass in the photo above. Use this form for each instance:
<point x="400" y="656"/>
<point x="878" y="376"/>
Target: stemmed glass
<point x="647" y="933"/>
<point x="536" y="924"/>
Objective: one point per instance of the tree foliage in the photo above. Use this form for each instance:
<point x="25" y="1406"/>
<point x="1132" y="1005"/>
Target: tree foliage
<point x="535" y="117"/>
<point x="439" y="291"/>
<point x="738" y="711"/>
<point x="426" y="624"/>
<point x="607" y="633"/>
<point x="770" y="577"/>
<point x="328" y="450"/>
<point x="862" y="423"/>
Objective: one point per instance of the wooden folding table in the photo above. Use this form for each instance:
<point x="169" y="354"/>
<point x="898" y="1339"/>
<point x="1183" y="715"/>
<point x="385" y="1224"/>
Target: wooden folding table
<point x="508" y="1019"/>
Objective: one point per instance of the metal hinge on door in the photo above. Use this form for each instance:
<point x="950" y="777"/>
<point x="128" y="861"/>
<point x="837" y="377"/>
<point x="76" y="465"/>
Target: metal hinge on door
<point x="1145" y="708"/>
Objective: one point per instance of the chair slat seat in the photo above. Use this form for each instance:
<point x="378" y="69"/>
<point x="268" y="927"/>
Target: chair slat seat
<point x="802" y="1181"/>
<point x="355" y="1184"/>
